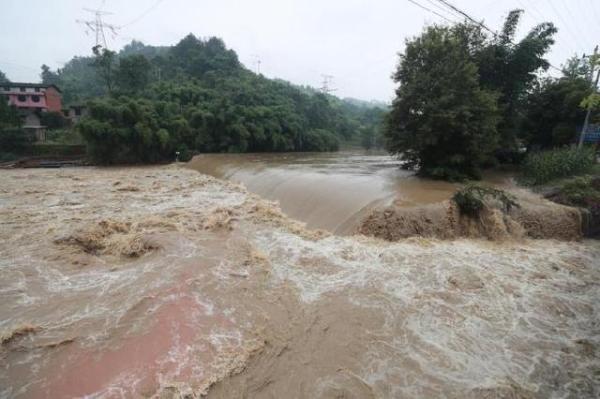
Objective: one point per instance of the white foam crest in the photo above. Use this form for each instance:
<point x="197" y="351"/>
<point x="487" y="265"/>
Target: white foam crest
<point x="469" y="310"/>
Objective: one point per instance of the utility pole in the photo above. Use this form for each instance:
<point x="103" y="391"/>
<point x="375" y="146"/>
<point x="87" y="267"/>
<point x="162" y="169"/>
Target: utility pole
<point x="97" y="26"/>
<point x="257" y="61"/>
<point x="586" y="121"/>
<point x="326" y="84"/>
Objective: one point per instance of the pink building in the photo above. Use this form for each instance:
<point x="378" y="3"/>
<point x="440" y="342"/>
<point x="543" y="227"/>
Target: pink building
<point x="31" y="99"/>
<point x="33" y="96"/>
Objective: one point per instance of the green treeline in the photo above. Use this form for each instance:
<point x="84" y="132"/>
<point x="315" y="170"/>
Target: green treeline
<point x="468" y="100"/>
<point x="149" y="102"/>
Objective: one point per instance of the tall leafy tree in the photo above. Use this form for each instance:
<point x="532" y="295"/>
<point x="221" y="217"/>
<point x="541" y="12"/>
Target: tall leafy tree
<point x="511" y="68"/>
<point x="133" y="74"/>
<point x="577" y="67"/>
<point x="12" y="137"/>
<point x="48" y="76"/>
<point x="104" y="62"/>
<point x="3" y="78"/>
<point x="553" y="115"/>
<point x="442" y="121"/>
<point x="9" y="117"/>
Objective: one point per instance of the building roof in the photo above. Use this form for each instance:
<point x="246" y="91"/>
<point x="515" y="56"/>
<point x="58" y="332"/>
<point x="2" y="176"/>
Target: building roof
<point x="20" y="84"/>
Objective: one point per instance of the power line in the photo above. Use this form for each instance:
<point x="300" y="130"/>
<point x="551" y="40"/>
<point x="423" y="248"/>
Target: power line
<point x="589" y="109"/>
<point x="577" y="27"/>
<point x="431" y="11"/>
<point x="97" y="25"/>
<point x="482" y="25"/>
<point x="573" y="35"/>
<point x="442" y="9"/>
<point x="461" y="12"/>
<point x="566" y="53"/>
<point x="533" y="8"/>
<point x="590" y="21"/>
<point x="142" y="15"/>
<point x="593" y="7"/>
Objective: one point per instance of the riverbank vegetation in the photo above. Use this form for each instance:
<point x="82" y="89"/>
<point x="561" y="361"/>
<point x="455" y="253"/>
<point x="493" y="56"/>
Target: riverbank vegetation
<point x="544" y="166"/>
<point x="468" y="100"/>
<point x="12" y="137"/>
<point x="146" y="103"/>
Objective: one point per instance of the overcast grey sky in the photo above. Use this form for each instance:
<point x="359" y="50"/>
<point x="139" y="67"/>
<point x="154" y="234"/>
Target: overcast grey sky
<point x="356" y="41"/>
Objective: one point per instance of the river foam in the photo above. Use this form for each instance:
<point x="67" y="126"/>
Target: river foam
<point x="162" y="282"/>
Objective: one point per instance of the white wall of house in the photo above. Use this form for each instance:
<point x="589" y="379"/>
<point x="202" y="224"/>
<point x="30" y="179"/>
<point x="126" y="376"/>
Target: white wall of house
<point x="31" y="120"/>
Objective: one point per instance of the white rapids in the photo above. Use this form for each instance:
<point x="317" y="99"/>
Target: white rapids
<point x="163" y="282"/>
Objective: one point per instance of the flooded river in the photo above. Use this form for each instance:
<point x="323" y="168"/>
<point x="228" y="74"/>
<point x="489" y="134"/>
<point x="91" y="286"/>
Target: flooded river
<point x="162" y="282"/>
<point x="332" y="191"/>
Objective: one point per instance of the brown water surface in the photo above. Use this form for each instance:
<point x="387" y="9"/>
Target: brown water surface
<point x="330" y="191"/>
<point x="162" y="282"/>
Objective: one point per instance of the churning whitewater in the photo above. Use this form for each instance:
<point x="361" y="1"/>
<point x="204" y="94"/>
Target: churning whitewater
<point x="164" y="282"/>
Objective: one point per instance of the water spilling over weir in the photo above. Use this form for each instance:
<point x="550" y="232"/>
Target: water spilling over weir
<point x="163" y="282"/>
<point x="331" y="191"/>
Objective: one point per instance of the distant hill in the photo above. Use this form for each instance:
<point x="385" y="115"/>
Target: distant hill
<point x="366" y="104"/>
<point x="216" y="104"/>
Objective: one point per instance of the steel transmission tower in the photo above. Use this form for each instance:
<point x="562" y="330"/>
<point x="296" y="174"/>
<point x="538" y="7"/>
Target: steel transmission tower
<point x="257" y="62"/>
<point x="98" y="26"/>
<point x="326" y="84"/>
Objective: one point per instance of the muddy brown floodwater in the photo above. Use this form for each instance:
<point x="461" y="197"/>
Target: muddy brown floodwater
<point x="331" y="191"/>
<point x="165" y="282"/>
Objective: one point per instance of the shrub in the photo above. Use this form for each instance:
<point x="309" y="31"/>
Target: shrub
<point x="582" y="191"/>
<point x="472" y="198"/>
<point x="542" y="167"/>
<point x="184" y="153"/>
<point x="63" y="136"/>
<point x="13" y="139"/>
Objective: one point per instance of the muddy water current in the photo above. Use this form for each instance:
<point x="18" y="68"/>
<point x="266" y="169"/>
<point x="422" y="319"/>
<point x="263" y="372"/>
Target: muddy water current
<point x="165" y="282"/>
<point x="331" y="191"/>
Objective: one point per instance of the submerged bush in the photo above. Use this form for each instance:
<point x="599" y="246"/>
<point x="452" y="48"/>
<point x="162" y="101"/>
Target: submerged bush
<point x="472" y="199"/>
<point x="541" y="167"/>
<point x="582" y="191"/>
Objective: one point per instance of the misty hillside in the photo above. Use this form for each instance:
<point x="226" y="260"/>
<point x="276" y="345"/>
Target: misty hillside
<point x="208" y="100"/>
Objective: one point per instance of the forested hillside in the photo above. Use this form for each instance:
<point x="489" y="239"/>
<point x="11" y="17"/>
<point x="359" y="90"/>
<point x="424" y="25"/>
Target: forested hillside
<point x="147" y="102"/>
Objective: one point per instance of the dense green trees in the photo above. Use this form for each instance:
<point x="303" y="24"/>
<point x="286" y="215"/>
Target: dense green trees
<point x="12" y="137"/>
<point x="130" y="130"/>
<point x="511" y="69"/>
<point x="48" y="76"/>
<point x="553" y="114"/>
<point x="219" y="117"/>
<point x="442" y="122"/>
<point x="104" y="63"/>
<point x="206" y="101"/>
<point x="9" y="117"/>
<point x="555" y="108"/>
<point x="462" y="96"/>
<point x="197" y="96"/>
<point x="133" y="73"/>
